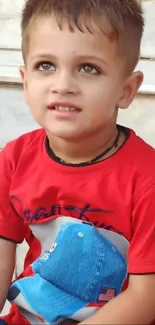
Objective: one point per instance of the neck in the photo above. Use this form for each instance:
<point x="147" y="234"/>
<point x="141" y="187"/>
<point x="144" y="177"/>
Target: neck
<point x="75" y="152"/>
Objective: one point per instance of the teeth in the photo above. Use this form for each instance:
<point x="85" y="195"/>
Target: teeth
<point x="62" y="108"/>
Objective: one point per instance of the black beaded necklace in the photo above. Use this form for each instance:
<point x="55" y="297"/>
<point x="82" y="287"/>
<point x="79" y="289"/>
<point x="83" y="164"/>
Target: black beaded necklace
<point x="86" y="163"/>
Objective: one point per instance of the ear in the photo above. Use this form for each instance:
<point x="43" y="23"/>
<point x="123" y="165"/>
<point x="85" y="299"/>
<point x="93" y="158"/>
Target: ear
<point x="23" y="75"/>
<point x="131" y="87"/>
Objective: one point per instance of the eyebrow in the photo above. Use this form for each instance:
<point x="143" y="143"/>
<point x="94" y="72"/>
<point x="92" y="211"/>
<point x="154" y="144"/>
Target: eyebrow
<point x="91" y="57"/>
<point x="80" y="57"/>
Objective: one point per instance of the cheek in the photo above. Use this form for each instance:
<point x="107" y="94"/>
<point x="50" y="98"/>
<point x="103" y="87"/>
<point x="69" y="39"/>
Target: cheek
<point x="101" y="103"/>
<point x="96" y="88"/>
<point x="98" y="96"/>
<point x="103" y="94"/>
<point x="35" y="91"/>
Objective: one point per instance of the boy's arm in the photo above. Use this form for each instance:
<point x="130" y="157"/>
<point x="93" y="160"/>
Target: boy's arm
<point x="7" y="264"/>
<point x="136" y="305"/>
<point x="12" y="228"/>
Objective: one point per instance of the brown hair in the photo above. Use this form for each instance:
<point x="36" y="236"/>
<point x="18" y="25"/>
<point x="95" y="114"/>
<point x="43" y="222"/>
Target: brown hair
<point x="119" y="19"/>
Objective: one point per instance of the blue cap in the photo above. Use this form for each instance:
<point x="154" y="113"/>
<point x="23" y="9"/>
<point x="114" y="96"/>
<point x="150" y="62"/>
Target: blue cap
<point x="78" y="269"/>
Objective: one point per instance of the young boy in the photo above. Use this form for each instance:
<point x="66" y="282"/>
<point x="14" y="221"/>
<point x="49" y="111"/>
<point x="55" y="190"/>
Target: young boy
<point x="79" y="60"/>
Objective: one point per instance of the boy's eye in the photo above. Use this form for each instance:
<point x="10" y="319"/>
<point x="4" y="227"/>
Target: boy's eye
<point x="45" y="66"/>
<point x="90" y="69"/>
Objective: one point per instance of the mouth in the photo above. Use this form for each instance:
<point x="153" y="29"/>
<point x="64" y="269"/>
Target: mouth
<point x="64" y="108"/>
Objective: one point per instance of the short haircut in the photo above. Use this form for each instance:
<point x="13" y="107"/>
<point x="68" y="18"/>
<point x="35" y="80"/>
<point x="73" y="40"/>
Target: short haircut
<point x="120" y="20"/>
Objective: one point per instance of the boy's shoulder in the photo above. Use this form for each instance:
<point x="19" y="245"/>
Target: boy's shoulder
<point x="140" y="148"/>
<point x="140" y="156"/>
<point x="26" y="142"/>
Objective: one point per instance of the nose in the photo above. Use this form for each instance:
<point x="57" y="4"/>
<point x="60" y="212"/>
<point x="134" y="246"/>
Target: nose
<point x="64" y="83"/>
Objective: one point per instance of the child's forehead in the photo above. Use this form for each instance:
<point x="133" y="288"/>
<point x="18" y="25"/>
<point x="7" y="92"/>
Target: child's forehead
<point x="48" y="41"/>
<point x="83" y="22"/>
<point x="47" y="30"/>
<point x="84" y="26"/>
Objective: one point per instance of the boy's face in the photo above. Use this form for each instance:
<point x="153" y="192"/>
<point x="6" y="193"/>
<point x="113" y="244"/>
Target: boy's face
<point x="74" y="82"/>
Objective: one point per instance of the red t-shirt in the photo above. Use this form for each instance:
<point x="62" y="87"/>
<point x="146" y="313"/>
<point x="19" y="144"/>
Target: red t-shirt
<point x="117" y="193"/>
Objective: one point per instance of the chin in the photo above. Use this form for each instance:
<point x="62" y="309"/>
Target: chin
<point x="67" y="135"/>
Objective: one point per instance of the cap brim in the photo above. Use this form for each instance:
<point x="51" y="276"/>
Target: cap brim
<point x="48" y="301"/>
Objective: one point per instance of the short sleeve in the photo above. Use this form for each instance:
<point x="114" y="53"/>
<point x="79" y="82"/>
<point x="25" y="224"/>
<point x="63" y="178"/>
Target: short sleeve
<point x="11" y="225"/>
<point x="141" y="256"/>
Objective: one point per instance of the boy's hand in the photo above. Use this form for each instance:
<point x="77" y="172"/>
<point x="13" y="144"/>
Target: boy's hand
<point x="136" y="305"/>
<point x="7" y="264"/>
